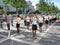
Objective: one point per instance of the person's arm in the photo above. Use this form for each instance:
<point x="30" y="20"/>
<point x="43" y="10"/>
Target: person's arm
<point x="1" y="18"/>
<point x="48" y="17"/>
<point x="20" y="19"/>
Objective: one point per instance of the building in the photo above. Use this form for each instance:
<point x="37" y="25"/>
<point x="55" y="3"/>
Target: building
<point x="30" y="7"/>
<point x="8" y="8"/>
<point x="29" y="2"/>
<point x="48" y="1"/>
<point x="1" y="3"/>
<point x="36" y="6"/>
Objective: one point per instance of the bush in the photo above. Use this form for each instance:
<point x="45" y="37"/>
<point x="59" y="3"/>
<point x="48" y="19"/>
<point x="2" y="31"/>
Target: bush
<point x="21" y="17"/>
<point x="58" y="17"/>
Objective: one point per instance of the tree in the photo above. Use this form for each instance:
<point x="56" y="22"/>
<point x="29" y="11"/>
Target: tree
<point x="47" y="7"/>
<point x="18" y="4"/>
<point x="1" y="10"/>
<point x="6" y="2"/>
<point x="41" y="5"/>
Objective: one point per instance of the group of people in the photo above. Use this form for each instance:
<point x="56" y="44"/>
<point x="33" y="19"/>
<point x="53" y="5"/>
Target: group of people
<point x="38" y="20"/>
<point x="34" y="20"/>
<point x="5" y="18"/>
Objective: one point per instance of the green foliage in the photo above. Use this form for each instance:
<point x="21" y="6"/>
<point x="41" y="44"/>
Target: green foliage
<point x="58" y="17"/>
<point x="18" y="4"/>
<point x="47" y="7"/>
<point x="1" y="10"/>
<point x="30" y="12"/>
<point x="6" y="1"/>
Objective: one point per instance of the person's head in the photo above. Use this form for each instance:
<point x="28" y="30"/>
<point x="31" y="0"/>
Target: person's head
<point x="34" y="16"/>
<point x="46" y="14"/>
<point x="0" y="13"/>
<point x="7" y="13"/>
<point x="18" y="16"/>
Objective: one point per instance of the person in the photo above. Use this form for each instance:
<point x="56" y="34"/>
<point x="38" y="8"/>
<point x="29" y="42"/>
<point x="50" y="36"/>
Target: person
<point x="8" y="17"/>
<point x="50" y="19"/>
<point x="34" y="25"/>
<point x="31" y="19"/>
<point x="46" y="20"/>
<point x="27" y="22"/>
<point x="1" y="19"/>
<point x="40" y="20"/>
<point x="54" y="18"/>
<point x="11" y="19"/>
<point x="18" y="19"/>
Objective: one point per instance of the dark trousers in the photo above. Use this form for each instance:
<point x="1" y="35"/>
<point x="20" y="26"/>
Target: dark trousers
<point x="12" y="22"/>
<point x="8" y="26"/>
<point x="1" y="24"/>
<point x="25" y="22"/>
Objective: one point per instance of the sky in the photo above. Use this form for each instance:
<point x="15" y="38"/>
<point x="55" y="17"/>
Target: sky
<point x="56" y="2"/>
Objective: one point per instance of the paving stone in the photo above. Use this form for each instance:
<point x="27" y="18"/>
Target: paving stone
<point x="11" y="42"/>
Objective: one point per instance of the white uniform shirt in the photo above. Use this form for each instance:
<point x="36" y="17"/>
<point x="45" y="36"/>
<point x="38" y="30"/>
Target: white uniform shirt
<point x="28" y="19"/>
<point x="18" y="20"/>
<point x="50" y="17"/>
<point x="34" y="21"/>
<point x="54" y="16"/>
<point x="40" y="20"/>
<point x="8" y="19"/>
<point x="46" y="18"/>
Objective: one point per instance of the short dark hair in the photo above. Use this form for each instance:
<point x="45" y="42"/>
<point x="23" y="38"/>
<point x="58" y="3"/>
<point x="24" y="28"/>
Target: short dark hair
<point x="7" y="13"/>
<point x="0" y="13"/>
<point x="18" y="16"/>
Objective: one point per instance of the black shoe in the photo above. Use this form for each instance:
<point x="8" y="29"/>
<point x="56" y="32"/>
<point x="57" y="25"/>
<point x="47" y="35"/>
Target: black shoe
<point x="33" y="35"/>
<point x="18" y="31"/>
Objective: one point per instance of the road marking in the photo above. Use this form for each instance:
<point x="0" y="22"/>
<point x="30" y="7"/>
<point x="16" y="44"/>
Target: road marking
<point x="20" y="40"/>
<point x="43" y="34"/>
<point x="26" y="30"/>
<point x="4" y="39"/>
<point x="9" y="34"/>
<point x="3" y="36"/>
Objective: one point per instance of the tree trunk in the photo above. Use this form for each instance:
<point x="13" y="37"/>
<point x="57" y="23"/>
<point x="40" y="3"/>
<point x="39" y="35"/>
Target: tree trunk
<point x="17" y="11"/>
<point x="5" y="10"/>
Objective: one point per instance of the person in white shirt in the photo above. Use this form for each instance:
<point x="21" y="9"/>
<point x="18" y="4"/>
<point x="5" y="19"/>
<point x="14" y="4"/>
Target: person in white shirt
<point x="34" y="25"/>
<point x="27" y="22"/>
<point x="18" y="19"/>
<point x="46" y="20"/>
<point x="8" y="21"/>
<point x="40" y="20"/>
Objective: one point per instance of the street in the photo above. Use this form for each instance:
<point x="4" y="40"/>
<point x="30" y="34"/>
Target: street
<point x="50" y="36"/>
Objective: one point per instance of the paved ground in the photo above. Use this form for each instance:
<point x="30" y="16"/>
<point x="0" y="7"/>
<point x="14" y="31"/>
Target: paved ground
<point x="50" y="36"/>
